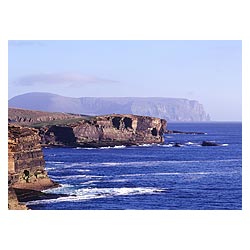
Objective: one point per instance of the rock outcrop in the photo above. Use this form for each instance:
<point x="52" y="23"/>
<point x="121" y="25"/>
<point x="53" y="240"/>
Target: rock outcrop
<point x="25" y="161"/>
<point x="109" y="130"/>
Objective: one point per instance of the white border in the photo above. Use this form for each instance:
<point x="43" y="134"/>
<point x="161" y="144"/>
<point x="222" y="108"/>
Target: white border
<point x="170" y="20"/>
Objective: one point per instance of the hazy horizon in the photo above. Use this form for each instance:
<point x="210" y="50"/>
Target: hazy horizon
<point x="206" y="71"/>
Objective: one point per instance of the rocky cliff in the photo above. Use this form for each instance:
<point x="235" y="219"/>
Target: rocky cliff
<point x="26" y="165"/>
<point x="60" y="129"/>
<point x="110" y="130"/>
<point x="25" y="162"/>
<point x="171" y="109"/>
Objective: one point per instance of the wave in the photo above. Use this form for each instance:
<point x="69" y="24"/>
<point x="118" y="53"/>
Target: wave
<point x="145" y="145"/>
<point x="95" y="193"/>
<point x="55" y="162"/>
<point x="168" y="145"/>
<point x="106" y="147"/>
<point x="122" y="146"/>
<point x="190" y="143"/>
<point x="115" y="147"/>
<point x="62" y="189"/>
<point x="129" y="163"/>
<point x="83" y="170"/>
<point x="151" y="163"/>
<point x="82" y="148"/>
<point x="74" y="177"/>
<point x="112" y="163"/>
<point x="183" y="173"/>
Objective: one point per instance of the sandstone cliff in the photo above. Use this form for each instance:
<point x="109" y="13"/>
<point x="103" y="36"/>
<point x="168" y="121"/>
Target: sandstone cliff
<point x="109" y="130"/>
<point x="60" y="129"/>
<point x="25" y="162"/>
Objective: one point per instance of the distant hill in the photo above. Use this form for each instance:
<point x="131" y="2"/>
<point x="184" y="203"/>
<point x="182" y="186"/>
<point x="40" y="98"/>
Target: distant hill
<point x="171" y="109"/>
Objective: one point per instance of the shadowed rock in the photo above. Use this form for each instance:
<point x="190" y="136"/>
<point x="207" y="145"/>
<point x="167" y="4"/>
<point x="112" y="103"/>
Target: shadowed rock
<point x="210" y="143"/>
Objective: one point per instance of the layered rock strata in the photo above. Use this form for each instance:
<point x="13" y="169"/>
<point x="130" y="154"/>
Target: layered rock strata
<point x="26" y="165"/>
<point x="109" y="130"/>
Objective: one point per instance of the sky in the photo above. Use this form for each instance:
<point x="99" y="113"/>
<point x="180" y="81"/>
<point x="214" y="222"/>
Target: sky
<point x="209" y="71"/>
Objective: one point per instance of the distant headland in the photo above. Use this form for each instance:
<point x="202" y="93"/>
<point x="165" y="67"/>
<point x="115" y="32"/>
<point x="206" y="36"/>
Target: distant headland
<point x="170" y="109"/>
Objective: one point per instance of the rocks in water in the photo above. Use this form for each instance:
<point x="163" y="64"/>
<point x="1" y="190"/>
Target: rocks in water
<point x="195" y="144"/>
<point x="210" y="143"/>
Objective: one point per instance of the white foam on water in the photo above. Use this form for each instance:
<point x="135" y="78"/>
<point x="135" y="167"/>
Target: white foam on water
<point x="95" y="193"/>
<point x="133" y="164"/>
<point x="82" y="148"/>
<point x="105" y="147"/>
<point x="183" y="173"/>
<point x="112" y="163"/>
<point x="89" y="182"/>
<point x="119" y="147"/>
<point x="67" y="177"/>
<point x="62" y="189"/>
<point x="129" y="175"/>
<point x="55" y="162"/>
<point x="190" y="143"/>
<point x="167" y="145"/>
<point x="118" y="180"/>
<point x="225" y="144"/>
<point x="146" y="145"/>
<point x="83" y="170"/>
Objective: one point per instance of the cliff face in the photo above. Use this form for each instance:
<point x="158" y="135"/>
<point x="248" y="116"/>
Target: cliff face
<point x="109" y="130"/>
<point x="25" y="161"/>
<point x="171" y="109"/>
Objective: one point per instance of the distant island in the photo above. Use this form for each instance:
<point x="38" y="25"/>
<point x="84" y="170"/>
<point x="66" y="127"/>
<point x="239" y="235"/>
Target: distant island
<point x="170" y="109"/>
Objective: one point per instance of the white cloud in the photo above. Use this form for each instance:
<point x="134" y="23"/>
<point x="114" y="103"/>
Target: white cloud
<point x="18" y="43"/>
<point x="61" y="78"/>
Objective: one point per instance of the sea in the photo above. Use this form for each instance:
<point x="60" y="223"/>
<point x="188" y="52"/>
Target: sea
<point x="151" y="177"/>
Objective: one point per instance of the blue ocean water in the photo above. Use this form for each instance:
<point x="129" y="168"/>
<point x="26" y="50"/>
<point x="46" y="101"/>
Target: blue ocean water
<point x="151" y="176"/>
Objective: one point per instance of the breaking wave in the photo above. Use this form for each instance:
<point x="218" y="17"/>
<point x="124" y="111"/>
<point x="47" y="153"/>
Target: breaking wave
<point x="95" y="193"/>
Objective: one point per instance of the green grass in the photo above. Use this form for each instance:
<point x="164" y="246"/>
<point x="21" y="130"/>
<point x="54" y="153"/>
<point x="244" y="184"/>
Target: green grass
<point x="59" y="122"/>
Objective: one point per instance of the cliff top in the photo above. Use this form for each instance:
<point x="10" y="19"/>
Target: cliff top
<point x="41" y="118"/>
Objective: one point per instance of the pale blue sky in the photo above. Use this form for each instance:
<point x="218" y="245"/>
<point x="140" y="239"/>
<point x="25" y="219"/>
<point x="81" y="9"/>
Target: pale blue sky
<point x="207" y="71"/>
